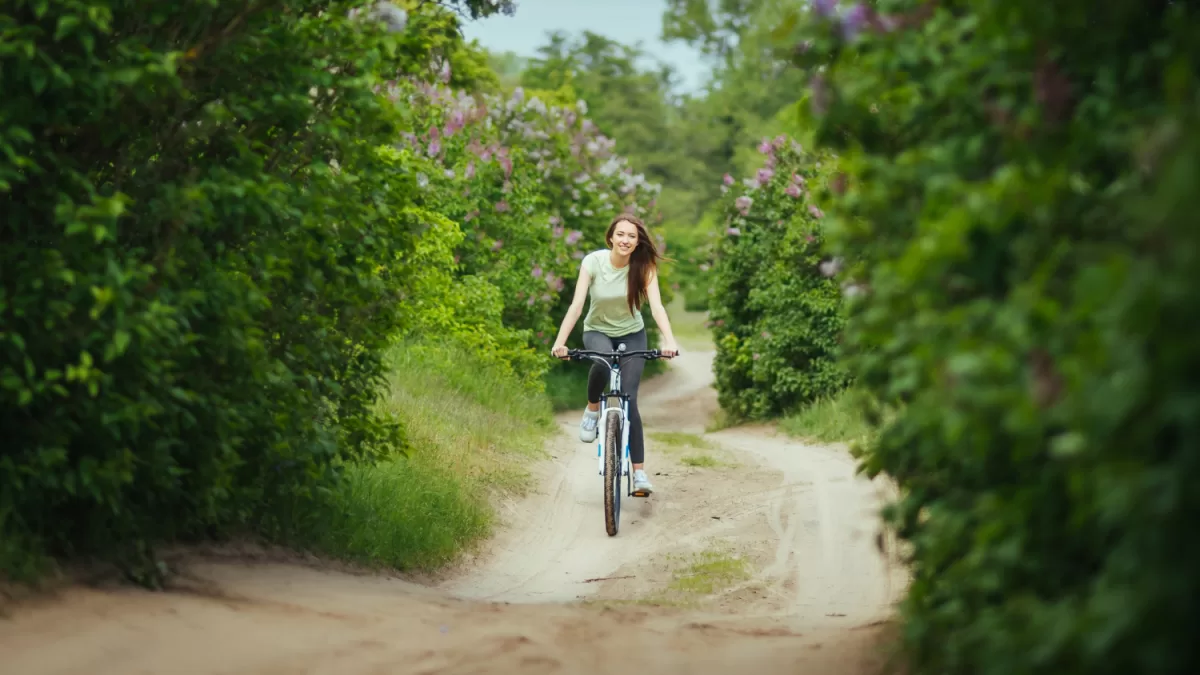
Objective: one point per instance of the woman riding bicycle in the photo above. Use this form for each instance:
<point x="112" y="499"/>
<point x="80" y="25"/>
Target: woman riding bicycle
<point x="620" y="278"/>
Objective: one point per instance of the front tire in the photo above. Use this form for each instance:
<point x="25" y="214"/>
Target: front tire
<point x="612" y="473"/>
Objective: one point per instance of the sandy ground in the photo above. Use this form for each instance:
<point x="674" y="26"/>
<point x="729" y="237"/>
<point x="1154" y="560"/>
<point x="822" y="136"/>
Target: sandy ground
<point x="762" y="553"/>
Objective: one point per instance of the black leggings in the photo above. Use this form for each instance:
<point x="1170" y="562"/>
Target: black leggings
<point x="631" y="376"/>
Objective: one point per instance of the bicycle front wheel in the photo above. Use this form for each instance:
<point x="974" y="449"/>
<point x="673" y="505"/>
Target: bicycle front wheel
<point x="612" y="472"/>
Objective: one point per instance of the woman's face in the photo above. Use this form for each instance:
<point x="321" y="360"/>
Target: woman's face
<point x="624" y="238"/>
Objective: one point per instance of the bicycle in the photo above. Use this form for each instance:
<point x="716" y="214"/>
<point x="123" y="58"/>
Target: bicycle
<point x="611" y="427"/>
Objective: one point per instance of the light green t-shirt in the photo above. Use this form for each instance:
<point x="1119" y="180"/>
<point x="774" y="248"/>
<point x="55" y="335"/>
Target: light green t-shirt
<point x="608" y="312"/>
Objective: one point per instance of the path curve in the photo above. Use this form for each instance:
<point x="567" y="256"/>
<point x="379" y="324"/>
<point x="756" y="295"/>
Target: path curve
<point x="822" y="519"/>
<point x="813" y="590"/>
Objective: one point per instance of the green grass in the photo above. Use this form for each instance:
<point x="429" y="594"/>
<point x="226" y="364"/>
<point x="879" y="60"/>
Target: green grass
<point x="679" y="439"/>
<point x="471" y="432"/>
<point x="671" y="442"/>
<point x="566" y="388"/>
<point x="696" y="577"/>
<point x="704" y="461"/>
<point x="837" y="419"/>
<point x="709" y="572"/>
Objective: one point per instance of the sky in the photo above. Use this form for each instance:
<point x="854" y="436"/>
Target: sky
<point x="625" y="21"/>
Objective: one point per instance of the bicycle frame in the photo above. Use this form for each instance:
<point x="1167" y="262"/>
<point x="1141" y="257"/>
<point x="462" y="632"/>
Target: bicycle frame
<point x="612" y="360"/>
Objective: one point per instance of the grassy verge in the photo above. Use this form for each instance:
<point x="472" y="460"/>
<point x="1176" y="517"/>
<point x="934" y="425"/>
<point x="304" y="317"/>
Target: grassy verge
<point x="837" y="419"/>
<point x="566" y="388"/>
<point x="470" y="433"/>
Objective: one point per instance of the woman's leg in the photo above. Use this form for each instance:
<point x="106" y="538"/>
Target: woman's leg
<point x="597" y="380"/>
<point x="631" y="377"/>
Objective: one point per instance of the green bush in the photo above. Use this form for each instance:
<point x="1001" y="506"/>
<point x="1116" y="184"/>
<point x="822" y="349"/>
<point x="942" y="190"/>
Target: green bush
<point x="1020" y="207"/>
<point x="776" y="318"/>
<point x="203" y="239"/>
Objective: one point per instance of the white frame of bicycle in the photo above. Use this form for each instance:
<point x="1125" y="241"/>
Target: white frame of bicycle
<point x="614" y="385"/>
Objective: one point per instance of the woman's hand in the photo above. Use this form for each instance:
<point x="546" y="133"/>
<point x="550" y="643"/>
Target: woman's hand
<point x="559" y="351"/>
<point x="669" y="349"/>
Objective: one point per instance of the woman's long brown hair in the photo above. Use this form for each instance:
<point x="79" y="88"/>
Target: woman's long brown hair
<point x="642" y="261"/>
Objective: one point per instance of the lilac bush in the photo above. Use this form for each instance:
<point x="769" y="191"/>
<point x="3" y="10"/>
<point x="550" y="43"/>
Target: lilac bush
<point x="775" y="316"/>
<point x="533" y="185"/>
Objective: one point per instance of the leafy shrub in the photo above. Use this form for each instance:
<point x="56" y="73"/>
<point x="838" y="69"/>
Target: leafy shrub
<point x="776" y="319"/>
<point x="203" y="257"/>
<point x="1021" y="209"/>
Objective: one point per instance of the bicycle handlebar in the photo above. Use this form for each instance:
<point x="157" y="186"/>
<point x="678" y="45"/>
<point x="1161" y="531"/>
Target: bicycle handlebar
<point x="591" y="355"/>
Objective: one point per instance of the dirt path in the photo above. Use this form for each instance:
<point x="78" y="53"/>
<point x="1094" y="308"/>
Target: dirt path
<point x="755" y="551"/>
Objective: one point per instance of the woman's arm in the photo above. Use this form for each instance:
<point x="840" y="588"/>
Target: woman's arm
<point x="669" y="348"/>
<point x="573" y="312"/>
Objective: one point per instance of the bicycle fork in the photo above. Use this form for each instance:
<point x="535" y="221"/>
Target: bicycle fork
<point x="614" y="384"/>
<point x="624" y="439"/>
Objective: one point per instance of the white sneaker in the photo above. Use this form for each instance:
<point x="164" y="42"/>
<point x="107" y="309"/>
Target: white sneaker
<point x="641" y="484"/>
<point x="588" y="425"/>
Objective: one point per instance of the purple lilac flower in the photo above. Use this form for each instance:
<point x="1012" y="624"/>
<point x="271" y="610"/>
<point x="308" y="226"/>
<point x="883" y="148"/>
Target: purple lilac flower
<point x="537" y="271"/>
<point x="502" y="206"/>
<point x="764" y="176"/>
<point x="816" y="213"/>
<point x="824" y="8"/>
<point x="793" y="190"/>
<point x="743" y="204"/>
<point x="574" y="237"/>
<point x="734" y="232"/>
<point x="498" y="245"/>
<point x="853" y="21"/>
<point x="765" y="146"/>
<point x="728" y="179"/>
<point x="470" y="169"/>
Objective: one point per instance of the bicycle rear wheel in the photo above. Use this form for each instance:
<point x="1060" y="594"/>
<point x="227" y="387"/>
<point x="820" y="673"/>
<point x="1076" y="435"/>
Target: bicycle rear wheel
<point x="612" y="472"/>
